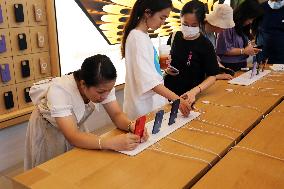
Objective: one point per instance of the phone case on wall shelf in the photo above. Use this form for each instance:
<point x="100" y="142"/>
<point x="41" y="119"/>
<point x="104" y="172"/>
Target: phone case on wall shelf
<point x="19" y="13"/>
<point x="22" y="40"/>
<point x="38" y="13"/>
<point x="5" y="73"/>
<point x="25" y="67"/>
<point x="1" y="15"/>
<point x="43" y="66"/>
<point x="27" y="95"/>
<point x="40" y="40"/>
<point x="9" y="100"/>
<point x="2" y="44"/>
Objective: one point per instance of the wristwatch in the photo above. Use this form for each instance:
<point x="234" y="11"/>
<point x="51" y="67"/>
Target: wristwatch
<point x="242" y="51"/>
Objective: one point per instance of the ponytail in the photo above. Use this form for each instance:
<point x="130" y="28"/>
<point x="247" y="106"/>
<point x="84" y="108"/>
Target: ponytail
<point x="137" y="14"/>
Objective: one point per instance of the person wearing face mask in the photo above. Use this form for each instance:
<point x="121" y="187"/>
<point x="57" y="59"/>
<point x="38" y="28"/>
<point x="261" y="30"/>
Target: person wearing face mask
<point x="144" y="84"/>
<point x="192" y="54"/>
<point x="233" y="45"/>
<point x="269" y="30"/>
<point x="64" y="104"/>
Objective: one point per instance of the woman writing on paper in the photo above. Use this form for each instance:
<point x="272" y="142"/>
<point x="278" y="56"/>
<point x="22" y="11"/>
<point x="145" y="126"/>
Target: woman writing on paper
<point x="63" y="105"/>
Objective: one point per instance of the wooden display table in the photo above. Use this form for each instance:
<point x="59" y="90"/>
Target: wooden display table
<point x="228" y="117"/>
<point x="242" y="168"/>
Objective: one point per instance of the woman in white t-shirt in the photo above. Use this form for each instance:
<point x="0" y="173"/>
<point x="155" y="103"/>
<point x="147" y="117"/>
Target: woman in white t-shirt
<point x="62" y="106"/>
<point x="144" y="84"/>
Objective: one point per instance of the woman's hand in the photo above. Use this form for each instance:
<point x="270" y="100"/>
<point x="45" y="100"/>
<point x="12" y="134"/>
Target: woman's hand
<point x="126" y="142"/>
<point x="145" y="135"/>
<point x="184" y="107"/>
<point x="224" y="76"/>
<point x="189" y="97"/>
<point x="250" y="50"/>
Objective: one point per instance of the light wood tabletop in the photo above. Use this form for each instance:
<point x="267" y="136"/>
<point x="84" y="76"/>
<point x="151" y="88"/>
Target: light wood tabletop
<point x="245" y="166"/>
<point x="229" y="113"/>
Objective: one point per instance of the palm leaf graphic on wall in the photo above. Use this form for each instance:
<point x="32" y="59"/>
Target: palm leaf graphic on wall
<point x="109" y="16"/>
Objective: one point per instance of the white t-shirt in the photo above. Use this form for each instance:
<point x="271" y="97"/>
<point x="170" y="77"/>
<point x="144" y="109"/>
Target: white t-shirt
<point x="143" y="73"/>
<point x="64" y="99"/>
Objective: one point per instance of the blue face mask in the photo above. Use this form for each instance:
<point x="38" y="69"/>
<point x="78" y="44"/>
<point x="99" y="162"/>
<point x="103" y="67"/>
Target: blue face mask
<point x="276" y="4"/>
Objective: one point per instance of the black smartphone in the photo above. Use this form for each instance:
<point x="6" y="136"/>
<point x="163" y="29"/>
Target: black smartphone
<point x="22" y="41"/>
<point x="174" y="112"/>
<point x="158" y="121"/>
<point x="173" y="69"/>
<point x="25" y="67"/>
<point x="258" y="46"/>
<point x="27" y="95"/>
<point x="19" y="12"/>
<point x="9" y="100"/>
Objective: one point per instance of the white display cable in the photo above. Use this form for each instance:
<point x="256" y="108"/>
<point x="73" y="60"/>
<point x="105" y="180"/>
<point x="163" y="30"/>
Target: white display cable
<point x="211" y="133"/>
<point x="219" y="125"/>
<point x="159" y="149"/>
<point x="250" y="94"/>
<point x="233" y="106"/>
<point x="258" y="152"/>
<point x="194" y="146"/>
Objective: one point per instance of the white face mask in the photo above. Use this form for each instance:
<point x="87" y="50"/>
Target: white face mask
<point x="276" y="4"/>
<point x="188" y="31"/>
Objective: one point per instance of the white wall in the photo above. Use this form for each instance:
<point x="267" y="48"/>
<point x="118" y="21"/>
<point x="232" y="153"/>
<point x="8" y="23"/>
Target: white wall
<point x="78" y="39"/>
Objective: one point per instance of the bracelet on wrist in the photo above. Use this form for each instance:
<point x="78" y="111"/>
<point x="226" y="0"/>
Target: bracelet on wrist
<point x="242" y="51"/>
<point x="129" y="126"/>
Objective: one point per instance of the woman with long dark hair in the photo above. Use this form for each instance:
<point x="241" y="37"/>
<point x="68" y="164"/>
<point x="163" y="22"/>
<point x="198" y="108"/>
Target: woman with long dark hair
<point x="233" y="46"/>
<point x="64" y="104"/>
<point x="144" y="84"/>
<point x="192" y="54"/>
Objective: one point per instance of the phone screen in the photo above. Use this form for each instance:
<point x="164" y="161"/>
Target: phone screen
<point x="258" y="46"/>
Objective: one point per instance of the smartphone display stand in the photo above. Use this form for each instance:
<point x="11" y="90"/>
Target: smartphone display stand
<point x="164" y="131"/>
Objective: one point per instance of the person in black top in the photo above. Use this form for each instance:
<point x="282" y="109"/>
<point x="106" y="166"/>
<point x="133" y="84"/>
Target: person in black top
<point x="192" y="54"/>
<point x="270" y="32"/>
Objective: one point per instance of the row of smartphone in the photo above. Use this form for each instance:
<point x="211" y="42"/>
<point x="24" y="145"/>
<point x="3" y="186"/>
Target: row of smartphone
<point x="22" y="42"/>
<point x="140" y="122"/>
<point x="19" y="13"/>
<point x="5" y="72"/>
<point x="9" y="98"/>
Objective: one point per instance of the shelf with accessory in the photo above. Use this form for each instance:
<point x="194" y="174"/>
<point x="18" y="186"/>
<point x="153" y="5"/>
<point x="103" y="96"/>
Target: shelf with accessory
<point x="28" y="53"/>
